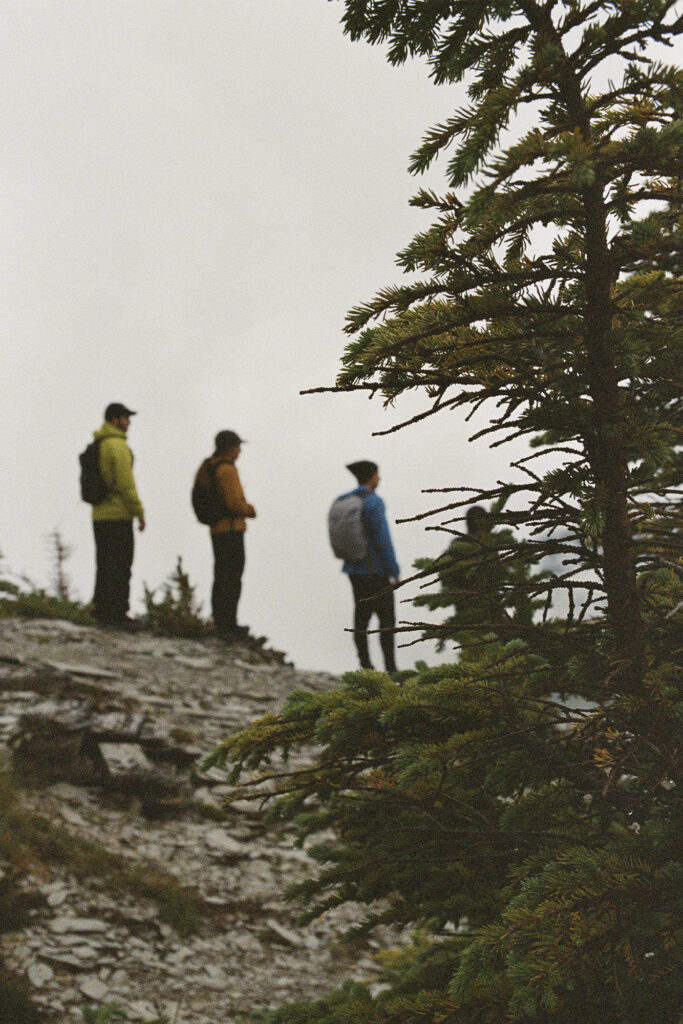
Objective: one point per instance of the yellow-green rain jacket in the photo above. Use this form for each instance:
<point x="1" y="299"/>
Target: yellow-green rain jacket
<point x="116" y="466"/>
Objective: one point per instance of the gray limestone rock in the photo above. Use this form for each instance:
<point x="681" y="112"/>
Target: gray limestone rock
<point x="8" y="726"/>
<point x="282" y="934"/>
<point x="140" y="1009"/>
<point x="56" y="895"/>
<point x="173" y="700"/>
<point x="124" y="760"/>
<point x="64" y="961"/>
<point x="117" y="725"/>
<point x="222" y="845"/>
<point x="6" y="658"/>
<point x="39" y="974"/>
<point x="79" y="925"/>
<point x="79" y="669"/>
<point x="86" y="952"/>
<point x="72" y="818"/>
<point x="199" y="664"/>
<point x="93" y="988"/>
<point x="119" y="981"/>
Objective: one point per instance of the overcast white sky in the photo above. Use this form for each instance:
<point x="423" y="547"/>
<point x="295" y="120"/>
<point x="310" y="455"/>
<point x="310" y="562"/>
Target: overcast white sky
<point x="193" y="195"/>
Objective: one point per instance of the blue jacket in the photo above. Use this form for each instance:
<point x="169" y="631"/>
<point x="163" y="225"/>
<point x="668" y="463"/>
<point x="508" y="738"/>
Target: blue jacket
<point x="382" y="558"/>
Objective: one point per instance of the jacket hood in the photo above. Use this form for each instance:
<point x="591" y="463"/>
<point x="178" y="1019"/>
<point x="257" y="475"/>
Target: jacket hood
<point x="108" y="430"/>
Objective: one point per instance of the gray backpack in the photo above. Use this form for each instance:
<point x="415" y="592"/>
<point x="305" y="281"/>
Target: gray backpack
<point x="346" y="528"/>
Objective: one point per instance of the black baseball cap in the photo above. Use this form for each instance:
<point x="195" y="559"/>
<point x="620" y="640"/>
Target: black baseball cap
<point x="227" y="439"/>
<point x="115" y="409"/>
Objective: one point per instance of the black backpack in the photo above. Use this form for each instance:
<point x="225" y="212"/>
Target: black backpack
<point x="208" y="505"/>
<point x="93" y="488"/>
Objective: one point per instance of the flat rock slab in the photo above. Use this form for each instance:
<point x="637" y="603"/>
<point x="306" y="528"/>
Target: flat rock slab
<point x="10" y="659"/>
<point x="53" y="716"/>
<point x="93" y="988"/>
<point x="284" y="935"/>
<point x="8" y="724"/>
<point x="212" y="775"/>
<point x="258" y="698"/>
<point x="117" y="724"/>
<point x="89" y="671"/>
<point x="196" y="663"/>
<point x="64" y="960"/>
<point x="125" y="759"/>
<point x="141" y="1010"/>
<point x="40" y="974"/>
<point x="265" y="669"/>
<point x="80" y="925"/>
<point x="222" y="845"/>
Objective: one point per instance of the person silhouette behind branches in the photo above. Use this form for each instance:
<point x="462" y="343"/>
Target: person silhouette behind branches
<point x="482" y="581"/>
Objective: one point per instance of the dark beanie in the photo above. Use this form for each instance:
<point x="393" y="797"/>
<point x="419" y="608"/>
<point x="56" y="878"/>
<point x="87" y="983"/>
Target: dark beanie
<point x="363" y="470"/>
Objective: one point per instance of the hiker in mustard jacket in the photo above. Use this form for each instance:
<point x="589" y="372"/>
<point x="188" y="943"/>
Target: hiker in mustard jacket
<point x="227" y="536"/>
<point x="113" y="520"/>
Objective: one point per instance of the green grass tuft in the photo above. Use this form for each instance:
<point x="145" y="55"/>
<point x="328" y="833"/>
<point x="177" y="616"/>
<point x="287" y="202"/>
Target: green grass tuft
<point x="27" y="838"/>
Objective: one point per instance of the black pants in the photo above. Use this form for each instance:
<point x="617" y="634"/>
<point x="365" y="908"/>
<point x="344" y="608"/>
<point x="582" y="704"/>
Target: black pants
<point x="228" y="566"/>
<point x="373" y="596"/>
<point x="114" y="546"/>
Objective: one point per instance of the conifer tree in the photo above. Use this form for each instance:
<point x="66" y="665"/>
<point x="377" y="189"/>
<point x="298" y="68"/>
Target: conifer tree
<point x="523" y="804"/>
<point x="552" y="288"/>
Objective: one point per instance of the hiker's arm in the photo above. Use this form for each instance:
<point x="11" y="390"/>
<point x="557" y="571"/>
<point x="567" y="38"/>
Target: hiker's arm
<point x="380" y="536"/>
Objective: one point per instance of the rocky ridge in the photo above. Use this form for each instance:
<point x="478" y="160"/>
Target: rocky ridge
<point x="112" y="728"/>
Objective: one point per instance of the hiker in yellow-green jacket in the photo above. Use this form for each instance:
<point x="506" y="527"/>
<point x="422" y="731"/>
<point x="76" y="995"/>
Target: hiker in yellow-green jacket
<point x="113" y="520"/>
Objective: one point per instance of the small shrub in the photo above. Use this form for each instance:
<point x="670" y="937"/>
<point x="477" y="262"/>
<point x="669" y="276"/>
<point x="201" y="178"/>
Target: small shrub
<point x="61" y="553"/>
<point x="210" y="812"/>
<point x="38" y="604"/>
<point x="177" y="612"/>
<point x="181" y="735"/>
<point x="178" y="905"/>
<point x="27" y="839"/>
<point x="29" y="601"/>
<point x="32" y="602"/>
<point x="108" y="1013"/>
<point x="16" y="1005"/>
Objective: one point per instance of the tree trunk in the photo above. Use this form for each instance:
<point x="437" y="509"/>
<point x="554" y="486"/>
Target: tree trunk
<point x="605" y="446"/>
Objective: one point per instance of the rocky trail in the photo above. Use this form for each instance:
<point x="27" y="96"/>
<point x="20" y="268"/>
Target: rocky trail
<point x="105" y="732"/>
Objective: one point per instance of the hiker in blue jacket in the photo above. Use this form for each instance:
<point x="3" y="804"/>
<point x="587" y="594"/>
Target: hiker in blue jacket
<point x="373" y="577"/>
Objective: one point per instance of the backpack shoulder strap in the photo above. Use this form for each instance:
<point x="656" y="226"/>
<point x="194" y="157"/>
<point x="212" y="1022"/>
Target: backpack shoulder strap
<point x="368" y="560"/>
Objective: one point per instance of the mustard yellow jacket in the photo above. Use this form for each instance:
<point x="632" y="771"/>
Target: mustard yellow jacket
<point x="116" y="466"/>
<point x="230" y="489"/>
